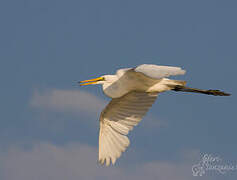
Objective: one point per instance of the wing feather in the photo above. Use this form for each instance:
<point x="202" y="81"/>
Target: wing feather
<point x="158" y="72"/>
<point x="117" y="119"/>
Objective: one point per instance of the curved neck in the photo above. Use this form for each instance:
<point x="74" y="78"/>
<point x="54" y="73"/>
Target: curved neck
<point x="114" y="86"/>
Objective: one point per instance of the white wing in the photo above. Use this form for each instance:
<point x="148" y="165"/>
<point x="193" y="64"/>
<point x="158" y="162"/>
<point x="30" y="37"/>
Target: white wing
<point x="117" y="119"/>
<point x="158" y="72"/>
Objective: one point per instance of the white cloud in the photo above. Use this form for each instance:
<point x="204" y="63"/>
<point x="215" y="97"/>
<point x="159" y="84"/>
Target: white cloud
<point x="49" y="162"/>
<point x="77" y="102"/>
<point x="75" y="161"/>
<point x="67" y="101"/>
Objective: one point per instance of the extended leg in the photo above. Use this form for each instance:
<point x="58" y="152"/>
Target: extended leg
<point x="209" y="92"/>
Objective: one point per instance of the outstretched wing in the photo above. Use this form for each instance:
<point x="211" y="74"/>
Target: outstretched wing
<point x="158" y="72"/>
<point x="117" y="119"/>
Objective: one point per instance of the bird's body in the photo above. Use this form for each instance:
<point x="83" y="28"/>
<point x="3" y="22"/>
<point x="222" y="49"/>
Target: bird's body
<point x="133" y="79"/>
<point x="133" y="91"/>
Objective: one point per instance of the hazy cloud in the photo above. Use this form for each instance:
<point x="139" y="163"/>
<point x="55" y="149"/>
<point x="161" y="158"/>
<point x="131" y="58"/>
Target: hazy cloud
<point x="75" y="161"/>
<point x="75" y="101"/>
<point x="45" y="161"/>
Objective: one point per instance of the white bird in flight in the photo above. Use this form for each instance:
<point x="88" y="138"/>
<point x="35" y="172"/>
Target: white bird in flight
<point x="133" y="91"/>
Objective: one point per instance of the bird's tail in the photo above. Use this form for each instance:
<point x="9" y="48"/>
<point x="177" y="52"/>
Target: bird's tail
<point x="208" y="92"/>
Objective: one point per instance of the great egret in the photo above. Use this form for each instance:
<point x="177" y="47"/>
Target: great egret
<point x="133" y="91"/>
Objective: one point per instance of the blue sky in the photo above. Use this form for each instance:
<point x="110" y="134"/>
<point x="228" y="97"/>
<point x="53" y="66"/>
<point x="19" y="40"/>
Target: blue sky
<point x="48" y="45"/>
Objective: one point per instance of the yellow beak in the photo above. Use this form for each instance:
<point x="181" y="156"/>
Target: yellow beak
<point x="91" y="81"/>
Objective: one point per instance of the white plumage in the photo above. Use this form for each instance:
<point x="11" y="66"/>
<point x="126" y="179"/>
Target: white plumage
<point x="145" y="78"/>
<point x="157" y="72"/>
<point x="133" y="91"/>
<point x="117" y="119"/>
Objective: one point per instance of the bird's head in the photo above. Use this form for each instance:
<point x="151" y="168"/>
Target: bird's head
<point x="100" y="80"/>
